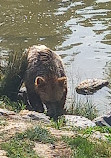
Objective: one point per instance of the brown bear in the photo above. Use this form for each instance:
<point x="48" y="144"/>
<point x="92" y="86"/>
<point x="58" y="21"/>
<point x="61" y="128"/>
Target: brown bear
<point x="45" y="81"/>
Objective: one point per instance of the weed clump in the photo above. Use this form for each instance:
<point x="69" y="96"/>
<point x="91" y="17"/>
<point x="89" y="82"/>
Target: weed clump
<point x="86" y="109"/>
<point x="12" y="74"/>
<point x="38" y="134"/>
<point x="17" y="106"/>
<point x="58" y="124"/>
<point x="82" y="107"/>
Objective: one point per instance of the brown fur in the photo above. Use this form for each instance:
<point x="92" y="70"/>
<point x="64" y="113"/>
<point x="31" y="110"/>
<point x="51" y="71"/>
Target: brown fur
<point x="45" y="80"/>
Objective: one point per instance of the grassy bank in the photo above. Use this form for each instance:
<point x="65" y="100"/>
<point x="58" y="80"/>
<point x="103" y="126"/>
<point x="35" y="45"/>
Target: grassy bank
<point x="80" y="145"/>
<point x="22" y="144"/>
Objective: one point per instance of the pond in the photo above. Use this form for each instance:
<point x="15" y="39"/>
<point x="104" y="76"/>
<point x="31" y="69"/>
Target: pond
<point x="78" y="30"/>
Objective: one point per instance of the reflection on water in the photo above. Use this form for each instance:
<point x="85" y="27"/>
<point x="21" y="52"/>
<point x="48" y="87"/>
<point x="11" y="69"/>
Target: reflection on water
<point x="79" y="30"/>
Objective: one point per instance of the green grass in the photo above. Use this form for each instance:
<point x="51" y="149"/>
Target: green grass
<point x="106" y="130"/>
<point x="83" y="148"/>
<point x="21" y="146"/>
<point x="12" y="74"/>
<point x="109" y="138"/>
<point x="59" y="123"/>
<point x="17" y="106"/>
<point x="83" y="108"/>
<point x="38" y="134"/>
<point x="102" y="129"/>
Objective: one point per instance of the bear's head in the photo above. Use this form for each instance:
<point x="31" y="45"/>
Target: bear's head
<point x="52" y="92"/>
<point x="51" y="89"/>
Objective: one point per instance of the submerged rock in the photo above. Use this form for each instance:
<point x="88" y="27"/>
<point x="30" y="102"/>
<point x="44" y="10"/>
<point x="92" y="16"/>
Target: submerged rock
<point x="90" y="86"/>
<point x="78" y="121"/>
<point x="104" y="120"/>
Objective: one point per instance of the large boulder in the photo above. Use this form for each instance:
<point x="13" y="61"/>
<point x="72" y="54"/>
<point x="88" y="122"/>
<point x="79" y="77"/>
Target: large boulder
<point x="5" y="112"/>
<point x="32" y="115"/>
<point x="78" y="121"/>
<point x="90" y="86"/>
<point x="25" y="115"/>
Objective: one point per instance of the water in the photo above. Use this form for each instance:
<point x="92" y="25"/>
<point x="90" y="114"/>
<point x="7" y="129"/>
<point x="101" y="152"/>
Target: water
<point x="79" y="31"/>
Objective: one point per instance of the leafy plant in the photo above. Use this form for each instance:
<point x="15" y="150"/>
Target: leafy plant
<point x="11" y="105"/>
<point x="38" y="134"/>
<point x="59" y="123"/>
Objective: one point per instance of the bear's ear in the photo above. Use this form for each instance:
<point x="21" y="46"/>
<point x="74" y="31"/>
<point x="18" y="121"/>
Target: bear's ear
<point x="39" y="81"/>
<point x="62" y="81"/>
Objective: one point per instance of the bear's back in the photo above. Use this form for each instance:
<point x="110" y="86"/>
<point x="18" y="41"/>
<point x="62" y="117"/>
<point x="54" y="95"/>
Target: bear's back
<point x="43" y="62"/>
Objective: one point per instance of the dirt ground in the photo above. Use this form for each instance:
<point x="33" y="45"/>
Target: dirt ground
<point x="10" y="124"/>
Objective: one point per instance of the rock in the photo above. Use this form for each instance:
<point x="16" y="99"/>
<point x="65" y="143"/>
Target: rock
<point x="6" y="112"/>
<point x="25" y="114"/>
<point x="90" y="86"/>
<point x="32" y="115"/>
<point x="2" y="153"/>
<point x="104" y="120"/>
<point x="99" y="135"/>
<point x="78" y="121"/>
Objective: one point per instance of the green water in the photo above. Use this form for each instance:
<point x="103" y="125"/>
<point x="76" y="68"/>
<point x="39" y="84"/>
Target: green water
<point x="78" y="30"/>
